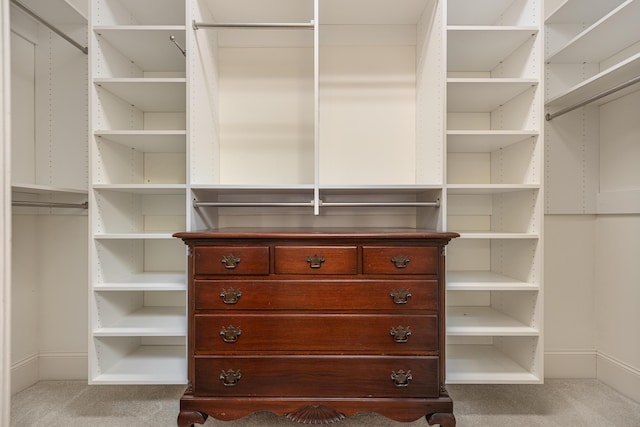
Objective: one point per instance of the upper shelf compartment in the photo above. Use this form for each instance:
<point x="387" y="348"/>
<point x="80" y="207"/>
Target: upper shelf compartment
<point x="136" y="51"/>
<point x="493" y="12"/>
<point x="136" y="12"/>
<point x="581" y="11"/>
<point x="603" y="39"/>
<point x="348" y="22"/>
<point x="500" y="51"/>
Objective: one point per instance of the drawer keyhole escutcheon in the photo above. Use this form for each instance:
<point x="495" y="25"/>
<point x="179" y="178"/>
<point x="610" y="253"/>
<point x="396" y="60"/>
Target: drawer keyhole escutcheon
<point x="230" y="378"/>
<point x="400" y="261"/>
<point x="401" y="296"/>
<point x="230" y="262"/>
<point x="315" y="261"/>
<point x="401" y="378"/>
<point x="230" y="296"/>
<point x="230" y="334"/>
<point x="401" y="334"/>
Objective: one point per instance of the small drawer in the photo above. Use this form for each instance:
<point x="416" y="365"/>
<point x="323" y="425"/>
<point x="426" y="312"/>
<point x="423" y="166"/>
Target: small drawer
<point x="388" y="295"/>
<point x="231" y="260"/>
<point x="319" y="376"/>
<point x="400" y="260"/>
<point x="364" y="334"/>
<point x="316" y="260"/>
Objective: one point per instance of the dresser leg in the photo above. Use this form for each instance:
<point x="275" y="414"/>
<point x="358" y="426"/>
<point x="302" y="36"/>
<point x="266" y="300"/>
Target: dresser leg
<point x="445" y="420"/>
<point x="188" y="418"/>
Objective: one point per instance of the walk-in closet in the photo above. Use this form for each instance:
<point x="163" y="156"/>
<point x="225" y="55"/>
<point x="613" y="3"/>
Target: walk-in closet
<point x="514" y="123"/>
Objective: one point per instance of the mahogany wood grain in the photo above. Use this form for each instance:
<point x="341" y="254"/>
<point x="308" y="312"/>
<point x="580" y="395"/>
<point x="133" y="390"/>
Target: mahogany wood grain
<point x="316" y="325"/>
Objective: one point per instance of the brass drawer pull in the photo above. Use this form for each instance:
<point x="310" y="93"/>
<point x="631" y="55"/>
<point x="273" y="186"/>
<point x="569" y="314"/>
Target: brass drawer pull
<point x="230" y="378"/>
<point x="230" y="262"/>
<point x="400" y="261"/>
<point x="230" y="296"/>
<point x="401" y="296"/>
<point x="230" y="334"/>
<point x="401" y="378"/>
<point x="315" y="261"/>
<point x="401" y="334"/>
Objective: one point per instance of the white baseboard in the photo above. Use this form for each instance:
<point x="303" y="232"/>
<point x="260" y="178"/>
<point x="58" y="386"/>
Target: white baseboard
<point x="619" y="375"/>
<point x="48" y="366"/>
<point x="24" y="373"/>
<point x="570" y="364"/>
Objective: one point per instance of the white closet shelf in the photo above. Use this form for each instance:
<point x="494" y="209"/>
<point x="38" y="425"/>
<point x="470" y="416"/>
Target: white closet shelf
<point x="146" y="282"/>
<point x="58" y="12"/>
<point x="45" y="189"/>
<point x="613" y="76"/>
<point x="379" y="188"/>
<point x="486" y="281"/>
<point x="581" y="11"/>
<point x="604" y="38"/>
<point x="147" y="322"/>
<point x="133" y="236"/>
<point x="152" y="364"/>
<point x="485" y="141"/>
<point x="148" y="47"/>
<point x="484" y="321"/>
<point x="497" y="235"/>
<point x="479" y="189"/>
<point x="487" y="12"/>
<point x="465" y="95"/>
<point x="148" y="94"/>
<point x="232" y="188"/>
<point x="143" y="188"/>
<point x="148" y="12"/>
<point x="484" y="364"/>
<point x="482" y="48"/>
<point x="149" y="141"/>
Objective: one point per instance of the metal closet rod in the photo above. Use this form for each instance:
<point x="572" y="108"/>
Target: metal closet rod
<point x="268" y="25"/>
<point x="43" y="21"/>
<point x="84" y="205"/>
<point x="203" y="204"/>
<point x="608" y="92"/>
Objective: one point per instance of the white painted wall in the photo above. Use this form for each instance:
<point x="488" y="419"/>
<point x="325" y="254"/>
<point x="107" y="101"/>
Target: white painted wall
<point x="617" y="302"/>
<point x="570" y="269"/>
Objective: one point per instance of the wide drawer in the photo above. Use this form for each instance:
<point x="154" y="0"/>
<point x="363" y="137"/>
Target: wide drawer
<point x="319" y="295"/>
<point x="400" y="260"/>
<point x="231" y="260"/>
<point x="372" y="334"/>
<point x="316" y="259"/>
<point x="327" y="376"/>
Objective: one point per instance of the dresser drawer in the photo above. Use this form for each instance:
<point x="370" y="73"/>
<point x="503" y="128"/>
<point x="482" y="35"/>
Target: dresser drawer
<point x="366" y="334"/>
<point x="316" y="295"/>
<point x="316" y="259"/>
<point x="328" y="376"/>
<point x="231" y="260"/>
<point x="399" y="260"/>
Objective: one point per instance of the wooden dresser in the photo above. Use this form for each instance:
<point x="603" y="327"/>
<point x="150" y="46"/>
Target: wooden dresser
<point x="316" y="325"/>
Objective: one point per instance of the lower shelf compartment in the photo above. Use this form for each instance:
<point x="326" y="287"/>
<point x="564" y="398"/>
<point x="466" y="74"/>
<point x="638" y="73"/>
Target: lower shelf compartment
<point x="146" y="364"/>
<point x="487" y="364"/>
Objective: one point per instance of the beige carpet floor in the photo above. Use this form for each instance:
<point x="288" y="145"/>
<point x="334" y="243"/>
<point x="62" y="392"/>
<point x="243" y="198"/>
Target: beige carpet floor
<point x="567" y="403"/>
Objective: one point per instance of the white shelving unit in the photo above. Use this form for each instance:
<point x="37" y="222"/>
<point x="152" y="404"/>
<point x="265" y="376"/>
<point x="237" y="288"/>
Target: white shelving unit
<point x="355" y="60"/>
<point x="138" y="191"/>
<point x="591" y="67"/>
<point x="358" y="116"/>
<point x="494" y="190"/>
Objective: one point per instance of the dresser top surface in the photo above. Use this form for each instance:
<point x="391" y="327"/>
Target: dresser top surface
<point x="316" y="233"/>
